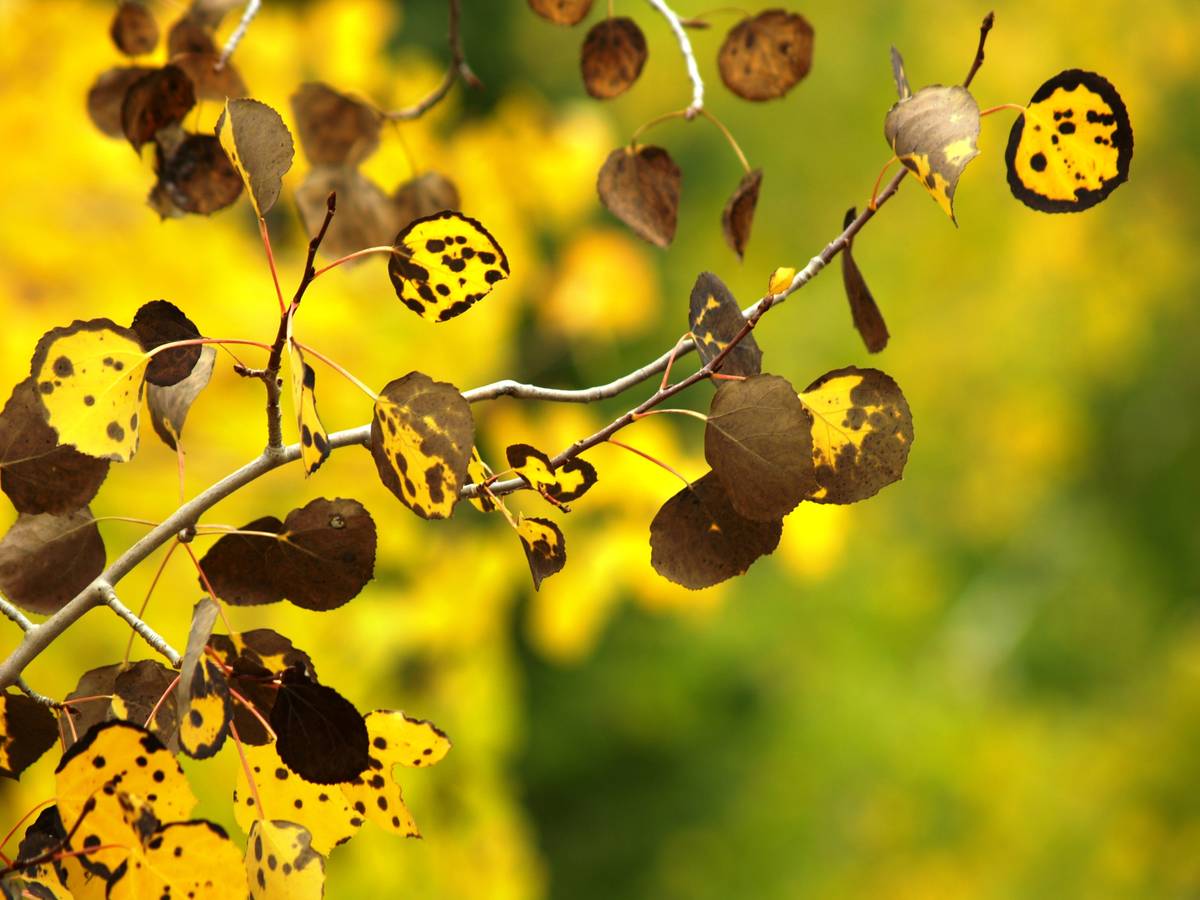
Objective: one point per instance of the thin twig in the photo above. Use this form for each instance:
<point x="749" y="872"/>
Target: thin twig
<point x="24" y="688"/>
<point x="109" y="597"/>
<point x="457" y="69"/>
<point x="16" y="615"/>
<point x="988" y="21"/>
<point x="689" y="56"/>
<point x="252" y="7"/>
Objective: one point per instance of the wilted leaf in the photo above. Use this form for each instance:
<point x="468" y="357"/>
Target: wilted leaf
<point x="716" y="319"/>
<point x="138" y="690"/>
<point x="763" y="57"/>
<point x="641" y="188"/>
<point x="161" y="98"/>
<point x="902" y="87"/>
<point x="107" y="95"/>
<point x="421" y="439"/>
<point x="46" y="560"/>
<point x="260" y="147"/>
<point x="38" y="475"/>
<point x="194" y="177"/>
<point x="564" y="483"/>
<point x="612" y="57"/>
<point x="1072" y="146"/>
<point x="27" y="730"/>
<point x="334" y="129"/>
<point x="758" y="441"/>
<point x="210" y="81"/>
<point x="862" y="432"/>
<point x="320" y="735"/>
<point x="169" y="406"/>
<point x="545" y="547"/>
<point x="133" y="29"/>
<point x="89" y="377"/>
<point x="562" y="12"/>
<point x="161" y="322"/>
<point x="738" y="215"/>
<point x="444" y="264"/>
<point x="366" y="217"/>
<point x="424" y="195"/>
<point x="698" y="539"/>
<point x="868" y="320"/>
<point x="281" y="863"/>
<point x="934" y="134"/>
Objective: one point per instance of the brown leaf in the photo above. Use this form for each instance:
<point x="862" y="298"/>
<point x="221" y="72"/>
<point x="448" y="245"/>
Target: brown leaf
<point x="365" y="216"/>
<point x="196" y="177"/>
<point x="161" y="322"/>
<point x="612" y="57"/>
<point x="320" y="735"/>
<point x="562" y="12"/>
<point x="210" y="82"/>
<point x="133" y="29"/>
<point x="641" y="188"/>
<point x="868" y="320"/>
<point x="255" y="657"/>
<point x="37" y="474"/>
<point x="334" y="129"/>
<point x="27" y="730"/>
<point x="716" y="319"/>
<point x="738" y="215"/>
<point x="107" y="95"/>
<point x="423" y="196"/>
<point x="260" y="147"/>
<point x="99" y="682"/>
<point x="762" y="58"/>
<point x="758" y="441"/>
<point x="190" y="35"/>
<point x="136" y="693"/>
<point x="209" y="13"/>
<point x="45" y="560"/>
<point x="154" y="101"/>
<point x="545" y="548"/>
<point x="169" y="406"/>
<point x="934" y="133"/>
<point x="697" y="539"/>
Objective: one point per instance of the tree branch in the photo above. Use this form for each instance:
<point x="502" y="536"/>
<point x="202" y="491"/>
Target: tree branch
<point x="16" y="615"/>
<point x="689" y="56"/>
<point x="988" y="21"/>
<point x="145" y="632"/>
<point x="252" y="7"/>
<point x="457" y="69"/>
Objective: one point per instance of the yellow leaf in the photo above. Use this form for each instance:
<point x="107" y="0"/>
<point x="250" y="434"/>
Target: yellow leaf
<point x="314" y="439"/>
<point x="281" y="863"/>
<point x="182" y="859"/>
<point x="781" y="280"/>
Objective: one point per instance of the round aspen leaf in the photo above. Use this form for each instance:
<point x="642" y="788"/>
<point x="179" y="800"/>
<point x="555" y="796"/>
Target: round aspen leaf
<point x="612" y="57"/>
<point x="765" y="56"/>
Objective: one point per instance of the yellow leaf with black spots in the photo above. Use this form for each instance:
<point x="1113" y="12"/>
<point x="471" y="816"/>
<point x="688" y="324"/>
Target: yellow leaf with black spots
<point x="182" y="859"/>
<point x="281" y="863"/>
<point x="90" y="378"/>
<point x="716" y="319"/>
<point x="544" y="545"/>
<point x="27" y="730"/>
<point x="1072" y="146"/>
<point x="934" y="133"/>
<point x="396" y="739"/>
<point x="322" y="809"/>
<point x="479" y="472"/>
<point x="422" y="435"/>
<point x="314" y="439"/>
<point x="562" y="484"/>
<point x="862" y="432"/>
<point x="445" y="263"/>
<point x="205" y="723"/>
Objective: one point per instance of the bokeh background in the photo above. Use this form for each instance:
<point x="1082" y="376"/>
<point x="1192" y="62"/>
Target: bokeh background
<point x="982" y="683"/>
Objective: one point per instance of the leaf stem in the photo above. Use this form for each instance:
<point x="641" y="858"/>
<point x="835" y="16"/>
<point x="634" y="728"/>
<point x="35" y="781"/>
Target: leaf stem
<point x="339" y="369"/>
<point x="382" y="248"/>
<point x="241" y="751"/>
<point x="266" y="239"/>
<point x="679" y="412"/>
<point x="654" y="459"/>
<point x="728" y="137"/>
<point x="689" y="56"/>
<point x="995" y="109"/>
<point x="457" y="69"/>
<point x="984" y="27"/>
<point x="149" y="592"/>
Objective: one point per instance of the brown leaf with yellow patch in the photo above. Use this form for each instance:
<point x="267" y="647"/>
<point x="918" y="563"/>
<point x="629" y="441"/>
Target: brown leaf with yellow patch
<point x="765" y="56"/>
<point x="716" y="319"/>
<point x="641" y="188"/>
<point x="260" y="147"/>
<point x="544" y="545"/>
<point x="934" y="134"/>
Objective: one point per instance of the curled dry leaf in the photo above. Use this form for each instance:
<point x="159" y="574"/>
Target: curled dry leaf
<point x="698" y="539"/>
<point x="545" y="547"/>
<point x="1072" y="146"/>
<point x="562" y="12"/>
<point x="862" y="433"/>
<point x="46" y="560"/>
<point x="738" y="215"/>
<point x="716" y="319"/>
<point x="868" y="320"/>
<point x="260" y="147"/>
<point x="334" y="129"/>
<point x="365" y="216"/>
<point x="319" y="734"/>
<point x="194" y="177"/>
<point x="37" y="474"/>
<point x="133" y="29"/>
<point x="641" y="188"/>
<point x="612" y="57"/>
<point x="934" y="134"/>
<point x="156" y="100"/>
<point x="161" y="322"/>
<point x="423" y="196"/>
<point x="758" y="440"/>
<point x="764" y="57"/>
<point x="169" y="406"/>
<point x="106" y="96"/>
<point x="27" y="730"/>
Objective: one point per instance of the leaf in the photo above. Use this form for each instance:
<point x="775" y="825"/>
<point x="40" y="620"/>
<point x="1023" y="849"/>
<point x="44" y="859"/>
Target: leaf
<point x="45" y="880"/>
<point x="862" y="432"/>
<point x="205" y="725"/>
<point x="79" y="719"/>
<point x="903" y="90"/>
<point x="424" y="195"/>
<point x="133" y="29"/>
<point x="934" y="134"/>
<point x="106" y="96"/>
<point x="89" y="377"/>
<point x="38" y="475"/>
<point x="334" y="129"/>
<point x="396" y="739"/>
<point x="612" y="57"/>
<point x="738" y="215"/>
<point x="191" y="34"/>
<point x="781" y="279"/>
<point x="478" y="472"/>
<point x="255" y="658"/>
<point x="564" y="483"/>
<point x="698" y="539"/>
<point x="160" y="322"/>
<point x="260" y="148"/>
<point x="323" y="810"/>
<point x="314" y="439"/>
<point x="422" y="434"/>
<point x="562" y="12"/>
<point x="319" y="734"/>
<point x="27" y="730"/>
<point x="281" y="863"/>
<point x="868" y="320"/>
<point x="169" y="406"/>
<point x="545" y="547"/>
<point x="641" y="188"/>
<point x="444" y="264"/>
<point x="45" y="560"/>
<point x="137" y="692"/>
<point x="366" y="217"/>
<point x="758" y="441"/>
<point x="716" y="319"/>
<point x="158" y="99"/>
<point x="194" y="177"/>
<point x="182" y="859"/>
<point x="323" y="557"/>
<point x="210" y="80"/>
<point x="1072" y="146"/>
<point x="764" y="57"/>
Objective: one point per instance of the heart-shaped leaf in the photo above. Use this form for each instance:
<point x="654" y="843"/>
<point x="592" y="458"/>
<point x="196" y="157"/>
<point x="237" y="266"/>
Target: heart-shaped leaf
<point x="641" y="188"/>
<point x="934" y="133"/>
<point x="716" y="319"/>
